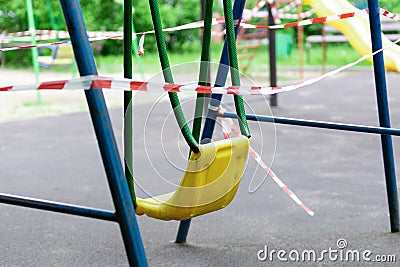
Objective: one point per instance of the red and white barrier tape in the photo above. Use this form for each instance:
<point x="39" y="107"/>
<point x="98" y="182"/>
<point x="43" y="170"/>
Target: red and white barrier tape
<point x="302" y="15"/>
<point x="110" y="34"/>
<point x="256" y="13"/>
<point x="97" y="82"/>
<point x="390" y="15"/>
<point x="290" y="7"/>
<point x="274" y="11"/>
<point x="192" y="25"/>
<point x="13" y="48"/>
<point x="44" y="35"/>
<point x="258" y="6"/>
<point x="220" y="20"/>
<point x="308" y="21"/>
<point x="264" y="14"/>
<point x="229" y="127"/>
<point x="58" y="34"/>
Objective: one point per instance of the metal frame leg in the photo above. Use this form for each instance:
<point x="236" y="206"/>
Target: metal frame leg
<point x="102" y="125"/>
<point x="273" y="99"/>
<point x="384" y="116"/>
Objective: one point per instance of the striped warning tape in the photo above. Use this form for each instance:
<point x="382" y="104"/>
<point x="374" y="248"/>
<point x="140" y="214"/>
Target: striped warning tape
<point x="97" y="82"/>
<point x="118" y="35"/>
<point x="45" y="35"/>
<point x="229" y="127"/>
<point x="264" y="14"/>
<point x="256" y="13"/>
<point x="389" y="14"/>
<point x="274" y="11"/>
<point x="302" y="15"/>
<point x="258" y="6"/>
<point x="220" y="20"/>
<point x="57" y="33"/>
<point x="308" y="21"/>
<point x="13" y="48"/>
<point x="291" y="6"/>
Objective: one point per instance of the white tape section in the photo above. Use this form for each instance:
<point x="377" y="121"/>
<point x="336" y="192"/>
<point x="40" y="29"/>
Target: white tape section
<point x="229" y="127"/>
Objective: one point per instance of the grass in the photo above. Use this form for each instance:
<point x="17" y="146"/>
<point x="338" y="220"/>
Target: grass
<point x="337" y="55"/>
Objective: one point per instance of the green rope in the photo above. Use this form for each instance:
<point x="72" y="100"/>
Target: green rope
<point x="205" y="49"/>
<point x="233" y="62"/>
<point x="162" y="53"/>
<point x="128" y="124"/>
<point x="204" y="68"/>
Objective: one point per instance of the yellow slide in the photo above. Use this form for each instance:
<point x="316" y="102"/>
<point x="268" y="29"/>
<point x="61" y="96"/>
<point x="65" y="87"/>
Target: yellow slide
<point x="356" y="29"/>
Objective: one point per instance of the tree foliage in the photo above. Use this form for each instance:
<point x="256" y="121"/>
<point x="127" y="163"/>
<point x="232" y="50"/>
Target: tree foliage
<point x="106" y="15"/>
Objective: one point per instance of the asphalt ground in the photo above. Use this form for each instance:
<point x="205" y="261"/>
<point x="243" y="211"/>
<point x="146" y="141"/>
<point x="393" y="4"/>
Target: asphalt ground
<point x="338" y="174"/>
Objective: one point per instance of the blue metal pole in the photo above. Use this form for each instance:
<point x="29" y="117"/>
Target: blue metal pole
<point x="317" y="124"/>
<point x="384" y="116"/>
<point x="273" y="99"/>
<point x="105" y="136"/>
<point x="215" y="101"/>
<point x="59" y="207"/>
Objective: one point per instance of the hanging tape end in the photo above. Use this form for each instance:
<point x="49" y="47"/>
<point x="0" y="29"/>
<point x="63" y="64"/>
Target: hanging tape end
<point x="141" y="46"/>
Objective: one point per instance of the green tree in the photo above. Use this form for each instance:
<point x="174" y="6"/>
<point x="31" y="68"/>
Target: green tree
<point x="107" y="15"/>
<point x="173" y="13"/>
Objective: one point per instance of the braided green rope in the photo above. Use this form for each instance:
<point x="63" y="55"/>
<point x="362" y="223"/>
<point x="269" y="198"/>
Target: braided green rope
<point x="233" y="62"/>
<point x="162" y="53"/>
<point x="205" y="49"/>
<point x="128" y="152"/>
<point x="204" y="68"/>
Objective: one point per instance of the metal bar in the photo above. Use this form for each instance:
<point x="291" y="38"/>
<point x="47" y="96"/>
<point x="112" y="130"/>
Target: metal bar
<point x="135" y="48"/>
<point x="32" y="29"/>
<point x="384" y="116"/>
<point x="300" y="38"/>
<point x="318" y="124"/>
<point x="215" y="100"/>
<point x="134" y="42"/>
<point x="102" y="125"/>
<point x="128" y="110"/>
<point x="273" y="99"/>
<point x="59" y="207"/>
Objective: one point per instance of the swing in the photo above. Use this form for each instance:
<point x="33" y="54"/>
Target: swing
<point x="210" y="182"/>
<point x="214" y="170"/>
<point x="60" y="55"/>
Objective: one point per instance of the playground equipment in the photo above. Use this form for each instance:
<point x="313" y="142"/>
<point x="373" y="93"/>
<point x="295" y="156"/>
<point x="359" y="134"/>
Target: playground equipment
<point x="210" y="182"/>
<point x="250" y="42"/>
<point x="61" y="55"/>
<point x="122" y="198"/>
<point x="356" y="30"/>
<point x="214" y="170"/>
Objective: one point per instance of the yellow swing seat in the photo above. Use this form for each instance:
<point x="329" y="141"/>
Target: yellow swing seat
<point x="210" y="182"/>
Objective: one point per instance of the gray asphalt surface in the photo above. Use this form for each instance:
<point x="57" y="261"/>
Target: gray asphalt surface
<point x="339" y="175"/>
